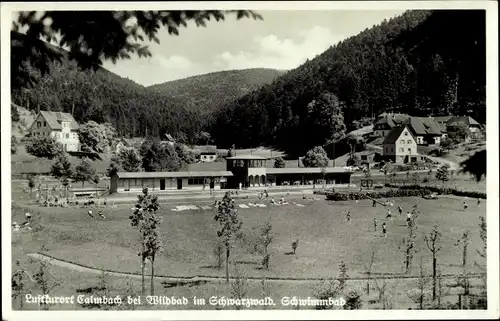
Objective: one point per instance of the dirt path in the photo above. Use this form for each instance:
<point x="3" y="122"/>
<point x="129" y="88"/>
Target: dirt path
<point x="453" y="166"/>
<point x="194" y="279"/>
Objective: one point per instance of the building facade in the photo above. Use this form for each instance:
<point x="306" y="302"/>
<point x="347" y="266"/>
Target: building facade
<point x="425" y="129"/>
<point x="252" y="171"/>
<point x="61" y="126"/>
<point x="163" y="181"/>
<point x="208" y="153"/>
<point x="474" y="127"/>
<point x="400" y="146"/>
<point x="245" y="171"/>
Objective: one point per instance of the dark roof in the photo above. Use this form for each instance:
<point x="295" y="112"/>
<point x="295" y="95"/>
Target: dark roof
<point x="305" y="170"/>
<point x="394" y="135"/>
<point x="55" y="118"/>
<point x="423" y="126"/>
<point x="469" y="121"/>
<point x="172" y="174"/>
<point x="442" y="119"/>
<point x="392" y="120"/>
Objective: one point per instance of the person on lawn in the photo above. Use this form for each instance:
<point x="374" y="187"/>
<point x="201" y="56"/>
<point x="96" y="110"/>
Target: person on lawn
<point x="408" y="218"/>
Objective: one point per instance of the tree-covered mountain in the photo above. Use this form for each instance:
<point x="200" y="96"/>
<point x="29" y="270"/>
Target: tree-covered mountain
<point x="421" y="63"/>
<point x="206" y="93"/>
<point x="97" y="94"/>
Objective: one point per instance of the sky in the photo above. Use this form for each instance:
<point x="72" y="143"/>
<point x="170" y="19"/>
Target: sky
<point x="283" y="40"/>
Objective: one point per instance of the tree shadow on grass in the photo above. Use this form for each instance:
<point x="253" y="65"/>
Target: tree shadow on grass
<point x="247" y="262"/>
<point x="173" y="284"/>
<point x="90" y="289"/>
<point x="210" y="267"/>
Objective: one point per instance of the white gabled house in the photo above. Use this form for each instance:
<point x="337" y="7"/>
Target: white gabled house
<point x="62" y="126"/>
<point x="400" y="146"/>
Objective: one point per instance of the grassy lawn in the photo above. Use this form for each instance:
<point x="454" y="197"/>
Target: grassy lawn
<point x="325" y="239"/>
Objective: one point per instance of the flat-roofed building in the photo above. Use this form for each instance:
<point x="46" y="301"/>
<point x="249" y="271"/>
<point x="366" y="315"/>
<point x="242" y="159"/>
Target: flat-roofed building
<point x="161" y="181"/>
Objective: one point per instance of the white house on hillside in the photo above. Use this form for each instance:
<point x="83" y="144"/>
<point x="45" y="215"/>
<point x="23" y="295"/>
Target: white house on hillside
<point x="62" y="126"/>
<point x="400" y="145"/>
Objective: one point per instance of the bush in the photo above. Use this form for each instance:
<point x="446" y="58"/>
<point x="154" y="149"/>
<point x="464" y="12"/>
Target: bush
<point x="402" y="191"/>
<point x="346" y="196"/>
<point x="439" y="190"/>
<point x="43" y="146"/>
<point x="353" y="301"/>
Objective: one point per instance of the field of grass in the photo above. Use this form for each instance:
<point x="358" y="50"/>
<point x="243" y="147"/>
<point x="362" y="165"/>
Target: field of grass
<point x="325" y="240"/>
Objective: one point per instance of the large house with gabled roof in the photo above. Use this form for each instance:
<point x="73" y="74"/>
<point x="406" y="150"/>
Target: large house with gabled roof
<point x="425" y="129"/>
<point x="400" y="146"/>
<point x="61" y="126"/>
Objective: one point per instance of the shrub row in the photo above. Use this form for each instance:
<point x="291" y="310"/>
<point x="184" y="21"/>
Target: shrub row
<point x="440" y="190"/>
<point x="402" y="191"/>
<point x="346" y="196"/>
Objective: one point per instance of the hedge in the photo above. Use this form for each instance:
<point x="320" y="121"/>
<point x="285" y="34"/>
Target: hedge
<point x="343" y="196"/>
<point x="402" y="191"/>
<point x="441" y="190"/>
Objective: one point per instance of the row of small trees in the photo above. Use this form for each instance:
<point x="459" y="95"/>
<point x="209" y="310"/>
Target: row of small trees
<point x="83" y="172"/>
<point x="152" y="156"/>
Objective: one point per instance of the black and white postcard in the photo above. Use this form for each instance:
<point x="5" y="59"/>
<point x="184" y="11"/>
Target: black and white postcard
<point x="250" y="160"/>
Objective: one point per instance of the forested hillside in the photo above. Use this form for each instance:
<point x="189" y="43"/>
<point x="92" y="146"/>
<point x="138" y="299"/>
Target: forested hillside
<point x="98" y="95"/>
<point x="421" y="63"/>
<point x="206" y="93"/>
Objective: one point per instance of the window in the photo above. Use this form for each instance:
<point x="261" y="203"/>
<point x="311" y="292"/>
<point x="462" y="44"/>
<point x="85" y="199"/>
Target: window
<point x="44" y="124"/>
<point x="392" y="149"/>
<point x="364" y="157"/>
<point x="409" y="150"/>
<point x="67" y="136"/>
<point x="402" y="141"/>
<point x="409" y="141"/>
<point x="57" y="135"/>
<point x="195" y="181"/>
<point x="406" y="133"/>
<point x="39" y="124"/>
<point x="402" y="149"/>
